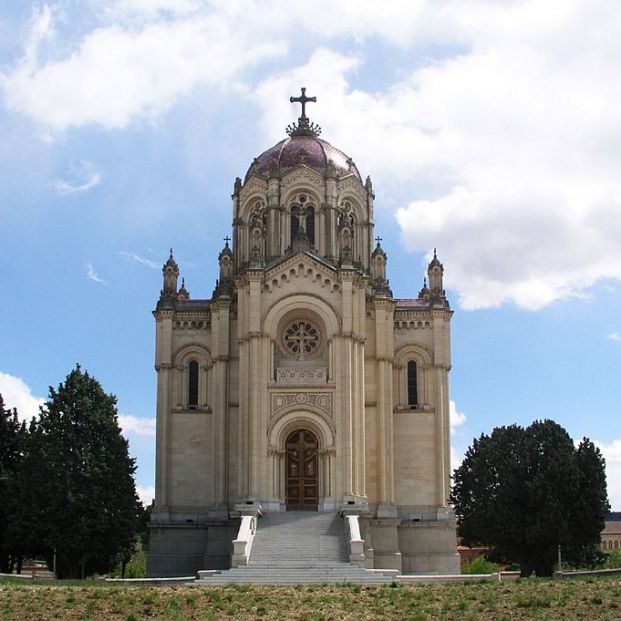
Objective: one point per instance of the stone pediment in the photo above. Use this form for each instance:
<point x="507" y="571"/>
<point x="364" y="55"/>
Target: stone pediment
<point x="303" y="264"/>
<point x="254" y="184"/>
<point x="303" y="173"/>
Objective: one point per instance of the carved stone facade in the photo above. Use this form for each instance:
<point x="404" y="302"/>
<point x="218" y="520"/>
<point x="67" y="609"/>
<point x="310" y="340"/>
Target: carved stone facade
<point x="303" y="338"/>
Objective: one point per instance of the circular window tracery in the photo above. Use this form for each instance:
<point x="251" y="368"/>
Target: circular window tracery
<point x="302" y="338"/>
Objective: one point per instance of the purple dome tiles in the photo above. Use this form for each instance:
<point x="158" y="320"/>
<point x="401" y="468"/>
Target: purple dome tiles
<point x="309" y="150"/>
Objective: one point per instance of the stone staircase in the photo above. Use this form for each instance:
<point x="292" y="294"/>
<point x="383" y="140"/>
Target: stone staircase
<point x="298" y="547"/>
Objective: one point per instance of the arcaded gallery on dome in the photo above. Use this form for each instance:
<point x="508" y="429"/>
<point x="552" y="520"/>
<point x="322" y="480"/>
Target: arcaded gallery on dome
<point x="302" y="384"/>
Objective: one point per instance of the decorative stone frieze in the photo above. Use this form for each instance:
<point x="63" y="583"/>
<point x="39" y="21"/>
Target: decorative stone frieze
<point x="284" y="400"/>
<point x="299" y="376"/>
<point x="303" y="174"/>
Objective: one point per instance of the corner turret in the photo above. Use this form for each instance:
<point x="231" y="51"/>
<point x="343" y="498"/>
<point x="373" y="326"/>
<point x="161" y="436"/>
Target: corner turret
<point x="170" y="274"/>
<point x="435" y="273"/>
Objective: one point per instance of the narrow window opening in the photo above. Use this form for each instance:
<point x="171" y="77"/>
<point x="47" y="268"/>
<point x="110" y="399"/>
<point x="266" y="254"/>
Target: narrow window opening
<point x="310" y="225"/>
<point x="412" y="385"/>
<point x="193" y="385"/>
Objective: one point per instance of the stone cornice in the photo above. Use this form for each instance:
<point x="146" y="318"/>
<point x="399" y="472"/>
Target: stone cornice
<point x="384" y="302"/>
<point x="389" y="359"/>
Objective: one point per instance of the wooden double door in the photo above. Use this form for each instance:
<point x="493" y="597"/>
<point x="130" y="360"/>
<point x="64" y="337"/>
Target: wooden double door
<point x="301" y="469"/>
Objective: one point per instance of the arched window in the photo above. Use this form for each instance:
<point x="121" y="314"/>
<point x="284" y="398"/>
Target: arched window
<point x="193" y="385"/>
<point x="412" y="385"/>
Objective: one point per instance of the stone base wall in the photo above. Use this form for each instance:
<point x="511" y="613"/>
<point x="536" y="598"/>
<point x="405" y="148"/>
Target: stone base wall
<point x="180" y="550"/>
<point x="426" y="546"/>
<point x="429" y="547"/>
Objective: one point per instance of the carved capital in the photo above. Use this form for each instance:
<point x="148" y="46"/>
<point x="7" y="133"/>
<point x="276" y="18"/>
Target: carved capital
<point x="274" y="451"/>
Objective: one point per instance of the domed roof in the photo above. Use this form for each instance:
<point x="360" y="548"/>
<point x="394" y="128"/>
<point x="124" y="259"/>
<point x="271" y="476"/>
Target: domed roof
<point x="302" y="149"/>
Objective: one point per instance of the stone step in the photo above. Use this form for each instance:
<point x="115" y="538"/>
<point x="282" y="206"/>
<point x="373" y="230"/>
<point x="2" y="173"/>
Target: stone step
<point x="294" y="536"/>
<point x="298" y="548"/>
<point x="348" y="573"/>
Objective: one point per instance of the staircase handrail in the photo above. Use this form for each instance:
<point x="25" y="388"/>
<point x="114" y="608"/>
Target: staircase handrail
<point x="356" y="542"/>
<point x="242" y="545"/>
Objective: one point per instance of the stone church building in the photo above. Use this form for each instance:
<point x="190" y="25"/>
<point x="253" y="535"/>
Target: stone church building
<point x="303" y="384"/>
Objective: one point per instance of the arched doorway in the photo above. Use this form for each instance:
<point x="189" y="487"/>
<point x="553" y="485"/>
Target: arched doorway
<point x="301" y="470"/>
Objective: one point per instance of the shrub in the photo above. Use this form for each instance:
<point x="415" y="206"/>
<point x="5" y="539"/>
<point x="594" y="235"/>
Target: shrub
<point x="613" y="560"/>
<point x="479" y="565"/>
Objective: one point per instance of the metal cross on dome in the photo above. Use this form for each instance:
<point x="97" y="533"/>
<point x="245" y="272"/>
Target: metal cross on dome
<point x="303" y="99"/>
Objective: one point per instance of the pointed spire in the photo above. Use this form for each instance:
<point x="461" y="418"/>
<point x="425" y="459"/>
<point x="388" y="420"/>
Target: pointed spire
<point x="378" y="270"/>
<point x="170" y="274"/>
<point x="435" y="272"/>
<point x="424" y="292"/>
<point x="183" y="293"/>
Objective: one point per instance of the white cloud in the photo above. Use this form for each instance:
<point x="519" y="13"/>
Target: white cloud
<point x="503" y="148"/>
<point x="615" y="336"/>
<point x="83" y="177"/>
<point x="612" y="454"/>
<point x="509" y="149"/>
<point x="146" y="493"/>
<point x="457" y="456"/>
<point x="456" y="418"/>
<point x="150" y="8"/>
<point x="91" y="274"/>
<point x="135" y="425"/>
<point x="17" y="394"/>
<point x="120" y="72"/>
<point x="132" y="256"/>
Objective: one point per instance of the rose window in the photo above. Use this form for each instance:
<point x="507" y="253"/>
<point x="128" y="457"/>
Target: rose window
<point x="301" y="339"/>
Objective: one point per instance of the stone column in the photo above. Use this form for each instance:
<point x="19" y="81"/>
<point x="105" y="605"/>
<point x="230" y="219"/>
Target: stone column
<point x="242" y="427"/>
<point x="220" y="348"/>
<point x="163" y="366"/>
<point x="442" y="365"/>
<point x="329" y="207"/>
<point x="361" y="447"/>
<point x="384" y="311"/>
<point x="442" y="438"/>
<point x="273" y="218"/>
<point x="345" y="383"/>
<point x="253" y="380"/>
<point x="347" y="430"/>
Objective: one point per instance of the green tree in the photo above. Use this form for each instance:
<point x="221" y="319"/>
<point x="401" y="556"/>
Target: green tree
<point x="12" y="441"/>
<point x="524" y="492"/>
<point x="87" y="491"/>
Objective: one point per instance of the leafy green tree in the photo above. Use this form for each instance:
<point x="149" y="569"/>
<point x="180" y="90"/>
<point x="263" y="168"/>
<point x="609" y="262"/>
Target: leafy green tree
<point x="12" y="440"/>
<point x="87" y="492"/>
<point x="524" y="492"/>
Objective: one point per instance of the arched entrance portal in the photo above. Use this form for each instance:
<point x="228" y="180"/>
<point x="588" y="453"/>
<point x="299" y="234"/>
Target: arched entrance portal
<point x="301" y="468"/>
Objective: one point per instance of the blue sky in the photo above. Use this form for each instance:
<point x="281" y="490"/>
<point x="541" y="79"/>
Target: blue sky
<point x="491" y="131"/>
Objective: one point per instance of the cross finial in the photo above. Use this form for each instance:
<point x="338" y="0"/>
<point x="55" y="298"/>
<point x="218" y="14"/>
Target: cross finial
<point x="227" y="239"/>
<point x="303" y="99"/>
<point x="378" y="239"/>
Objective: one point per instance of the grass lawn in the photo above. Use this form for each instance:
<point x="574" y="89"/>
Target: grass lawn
<point x="594" y="599"/>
